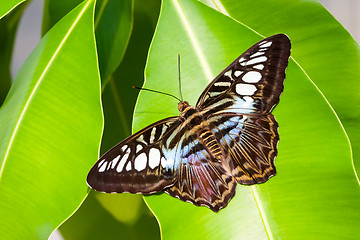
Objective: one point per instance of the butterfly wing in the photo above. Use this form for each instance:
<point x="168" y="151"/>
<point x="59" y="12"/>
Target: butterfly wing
<point x="238" y="103"/>
<point x="250" y="141"/>
<point x="139" y="164"/>
<point x="253" y="82"/>
<point x="201" y="178"/>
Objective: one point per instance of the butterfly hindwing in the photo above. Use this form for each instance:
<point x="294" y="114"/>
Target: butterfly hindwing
<point x="138" y="164"/>
<point x="201" y="178"/>
<point x="251" y="142"/>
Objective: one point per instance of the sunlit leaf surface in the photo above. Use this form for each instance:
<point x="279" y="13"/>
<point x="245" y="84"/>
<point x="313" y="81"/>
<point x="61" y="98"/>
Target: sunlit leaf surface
<point x="50" y="127"/>
<point x="7" y="6"/>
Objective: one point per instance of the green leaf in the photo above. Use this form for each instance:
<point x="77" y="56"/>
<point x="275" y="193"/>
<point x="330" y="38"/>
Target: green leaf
<point x="315" y="194"/>
<point x="8" y="26"/>
<point x="50" y="128"/>
<point x="7" y="6"/>
<point x="92" y="221"/>
<point x="114" y="20"/>
<point x="113" y="24"/>
<point x="324" y="49"/>
<point x="55" y="10"/>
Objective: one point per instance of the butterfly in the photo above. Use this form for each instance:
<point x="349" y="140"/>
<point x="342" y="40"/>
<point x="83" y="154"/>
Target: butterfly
<point x="229" y="137"/>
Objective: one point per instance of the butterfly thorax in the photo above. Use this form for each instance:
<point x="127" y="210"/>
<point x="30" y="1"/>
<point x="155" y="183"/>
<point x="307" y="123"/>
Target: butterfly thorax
<point x="186" y="110"/>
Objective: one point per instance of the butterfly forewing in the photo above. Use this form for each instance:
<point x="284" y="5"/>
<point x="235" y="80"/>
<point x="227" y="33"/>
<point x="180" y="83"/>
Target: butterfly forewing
<point x="253" y="82"/>
<point x="138" y="164"/>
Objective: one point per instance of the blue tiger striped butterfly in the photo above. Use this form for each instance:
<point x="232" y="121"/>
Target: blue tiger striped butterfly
<point x="229" y="137"/>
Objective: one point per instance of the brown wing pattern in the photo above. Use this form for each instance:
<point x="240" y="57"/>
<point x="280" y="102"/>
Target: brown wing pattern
<point x="139" y="164"/>
<point x="251" y="142"/>
<point x="202" y="179"/>
<point x="254" y="80"/>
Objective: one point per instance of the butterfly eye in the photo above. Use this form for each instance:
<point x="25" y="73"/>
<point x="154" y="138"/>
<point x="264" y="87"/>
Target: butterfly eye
<point x="183" y="105"/>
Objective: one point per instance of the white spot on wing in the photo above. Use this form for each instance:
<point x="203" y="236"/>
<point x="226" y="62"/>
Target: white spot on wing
<point x="123" y="148"/>
<point x="123" y="161"/>
<point x="103" y="166"/>
<point x="152" y="136"/>
<point x="163" y="162"/>
<point x="140" y="138"/>
<point x="154" y="157"/>
<point x="252" y="77"/>
<point x="164" y="127"/>
<point x="140" y="162"/>
<point x="214" y="94"/>
<point x="101" y="163"/>
<point x="239" y="103"/>
<point x="245" y="89"/>
<point x="228" y="74"/>
<point x="268" y="44"/>
<point x="222" y="84"/>
<point x="241" y="59"/>
<point x="114" y="161"/>
<point x="138" y="148"/>
<point x="128" y="166"/>
<point x="260" y="67"/>
<point x="257" y="54"/>
<point x="237" y="73"/>
<point x="256" y="60"/>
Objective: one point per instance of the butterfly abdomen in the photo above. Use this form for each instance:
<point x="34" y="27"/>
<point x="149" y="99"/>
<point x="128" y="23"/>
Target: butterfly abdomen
<point x="211" y="143"/>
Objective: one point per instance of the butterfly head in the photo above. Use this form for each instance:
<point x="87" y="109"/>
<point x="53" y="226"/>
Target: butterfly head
<point x="183" y="105"/>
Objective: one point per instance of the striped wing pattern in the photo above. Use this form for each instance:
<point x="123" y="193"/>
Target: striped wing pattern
<point x="230" y="136"/>
<point x="250" y="141"/>
<point x="254" y="81"/>
<point x="204" y="176"/>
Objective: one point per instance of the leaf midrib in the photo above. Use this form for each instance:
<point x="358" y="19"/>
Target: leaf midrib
<point x="204" y="64"/>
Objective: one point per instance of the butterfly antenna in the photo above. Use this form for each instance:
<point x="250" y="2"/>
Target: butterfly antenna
<point x="150" y="90"/>
<point x="179" y="78"/>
